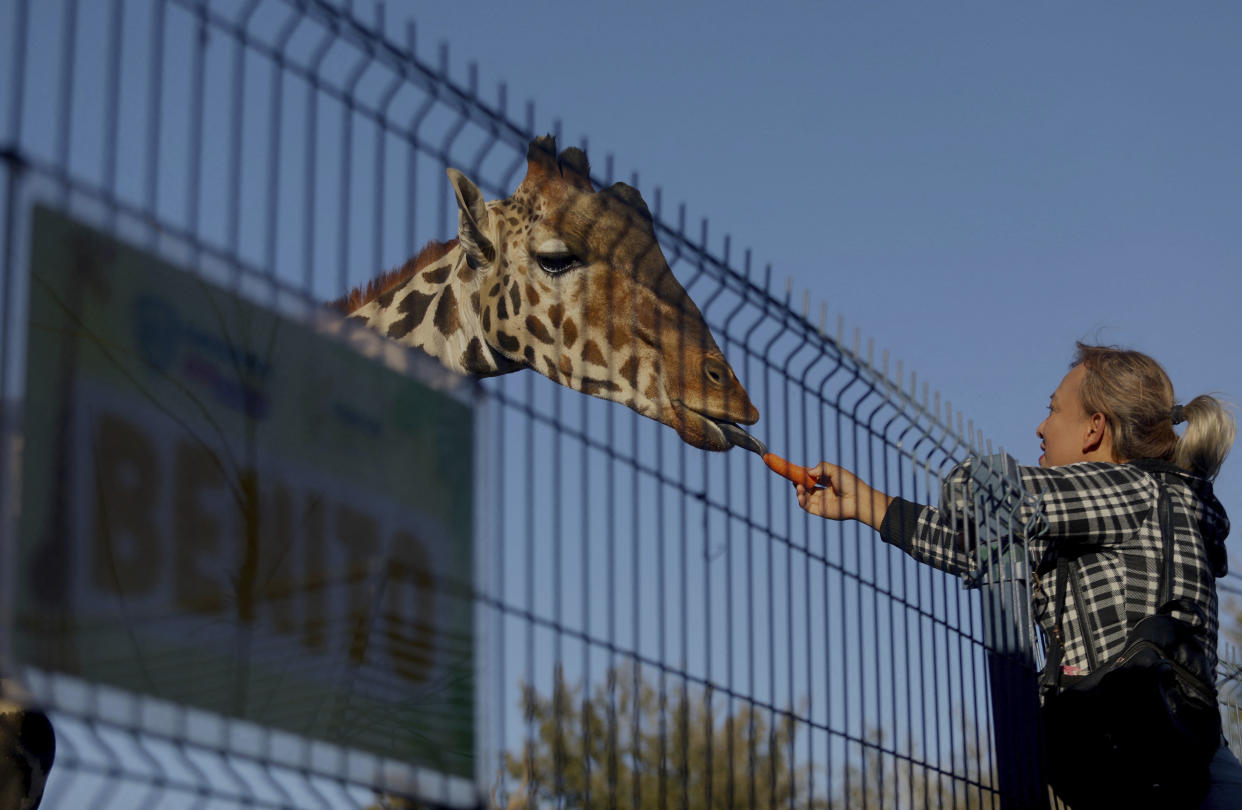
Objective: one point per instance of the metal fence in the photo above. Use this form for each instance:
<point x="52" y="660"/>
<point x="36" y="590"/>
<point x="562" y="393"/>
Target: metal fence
<point x="634" y="622"/>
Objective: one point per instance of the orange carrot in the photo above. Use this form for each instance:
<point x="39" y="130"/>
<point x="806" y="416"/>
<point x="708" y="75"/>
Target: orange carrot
<point x="794" y="472"/>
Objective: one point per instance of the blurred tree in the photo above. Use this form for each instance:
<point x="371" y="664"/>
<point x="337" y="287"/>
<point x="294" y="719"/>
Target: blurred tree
<point x="1229" y="671"/>
<point x="632" y="745"/>
<point x="882" y="777"/>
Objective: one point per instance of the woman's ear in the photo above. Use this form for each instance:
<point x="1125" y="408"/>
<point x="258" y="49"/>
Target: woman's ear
<point x="1096" y="435"/>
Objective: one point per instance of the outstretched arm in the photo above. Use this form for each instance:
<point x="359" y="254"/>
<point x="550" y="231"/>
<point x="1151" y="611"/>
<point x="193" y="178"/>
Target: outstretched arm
<point x="917" y="530"/>
<point x="842" y="495"/>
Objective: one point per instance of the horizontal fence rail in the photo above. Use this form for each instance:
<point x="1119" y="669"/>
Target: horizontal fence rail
<point x="357" y="579"/>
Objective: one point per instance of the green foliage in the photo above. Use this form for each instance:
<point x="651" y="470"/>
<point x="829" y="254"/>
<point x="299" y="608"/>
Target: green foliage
<point x="883" y="778"/>
<point x="634" y="745"/>
<point x="1229" y="675"/>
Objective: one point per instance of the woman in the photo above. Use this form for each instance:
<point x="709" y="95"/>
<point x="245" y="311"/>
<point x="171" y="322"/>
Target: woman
<point x="1108" y="441"/>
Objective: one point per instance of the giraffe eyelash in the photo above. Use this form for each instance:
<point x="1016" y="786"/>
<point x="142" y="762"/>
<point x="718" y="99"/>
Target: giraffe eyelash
<point x="557" y="263"/>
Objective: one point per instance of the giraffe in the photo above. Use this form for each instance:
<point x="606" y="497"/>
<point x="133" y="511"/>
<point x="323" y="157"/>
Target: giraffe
<point x="571" y="283"/>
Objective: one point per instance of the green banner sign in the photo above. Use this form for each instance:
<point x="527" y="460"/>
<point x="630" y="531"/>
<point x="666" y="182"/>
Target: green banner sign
<point x="228" y="509"/>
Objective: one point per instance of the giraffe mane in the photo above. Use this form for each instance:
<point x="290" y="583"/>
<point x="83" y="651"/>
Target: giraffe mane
<point x="433" y="251"/>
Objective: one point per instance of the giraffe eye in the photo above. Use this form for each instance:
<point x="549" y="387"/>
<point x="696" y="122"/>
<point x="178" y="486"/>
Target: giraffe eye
<point x="557" y="263"/>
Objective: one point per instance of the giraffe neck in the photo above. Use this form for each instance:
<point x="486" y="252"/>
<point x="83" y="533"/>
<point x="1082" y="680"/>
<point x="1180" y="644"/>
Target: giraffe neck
<point x="434" y="306"/>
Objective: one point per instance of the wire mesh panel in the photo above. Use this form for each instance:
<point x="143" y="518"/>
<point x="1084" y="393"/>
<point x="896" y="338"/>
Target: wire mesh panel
<point x="259" y="554"/>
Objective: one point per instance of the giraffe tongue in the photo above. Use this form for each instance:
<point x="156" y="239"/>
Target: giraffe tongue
<point x="740" y="438"/>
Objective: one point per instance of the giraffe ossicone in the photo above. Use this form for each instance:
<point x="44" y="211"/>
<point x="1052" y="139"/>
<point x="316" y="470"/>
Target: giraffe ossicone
<point x="569" y="282"/>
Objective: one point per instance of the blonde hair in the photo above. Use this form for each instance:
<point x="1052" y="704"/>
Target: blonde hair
<point x="1136" y="397"/>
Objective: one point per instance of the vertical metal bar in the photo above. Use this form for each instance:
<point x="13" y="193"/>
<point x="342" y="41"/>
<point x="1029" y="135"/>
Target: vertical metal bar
<point x="771" y="567"/>
<point x="894" y="610"/>
<point x="528" y="530"/>
<point x="347" y="141"/>
<point x="68" y="63"/>
<point x="637" y="770"/>
<point x="234" y="202"/>
<point x="10" y="167"/>
<point x="730" y="713"/>
<point x="195" y="154"/>
<point x="345" y="209"/>
<point x="498" y="554"/>
<point x="155" y="91"/>
<point x="662" y="619"/>
<point x="411" y="176"/>
<point x="587" y="601"/>
<point x="686" y="708"/>
<point x="311" y="192"/>
<point x="442" y="223"/>
<point x="752" y="793"/>
<point x="558" y="681"/>
<point x="17" y="73"/>
<point x="112" y="107"/>
<point x="275" y="125"/>
<point x="804" y="421"/>
<point x="708" y="627"/>
<point x="11" y="159"/>
<point x="838" y="442"/>
<point x="610" y="478"/>
<point x="381" y="141"/>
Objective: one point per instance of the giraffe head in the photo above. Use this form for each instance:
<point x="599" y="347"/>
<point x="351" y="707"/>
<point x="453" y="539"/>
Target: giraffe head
<point x="572" y="284"/>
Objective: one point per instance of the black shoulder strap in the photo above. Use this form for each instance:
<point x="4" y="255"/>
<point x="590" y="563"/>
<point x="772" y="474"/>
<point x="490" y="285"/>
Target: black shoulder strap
<point x="1050" y="678"/>
<point x="1166" y="533"/>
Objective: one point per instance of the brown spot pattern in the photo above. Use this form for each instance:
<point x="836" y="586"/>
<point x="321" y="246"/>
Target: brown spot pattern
<point x="474" y="359"/>
<point x="556" y="313"/>
<point x="617" y="336"/>
<point x="538" y="330"/>
<point x="596" y="387"/>
<point x="446" y="318"/>
<point x="516" y="298"/>
<point x="629" y="370"/>
<point x="432" y="252"/>
<point x="508" y="342"/>
<point x="532" y="295"/>
<point x="437" y="275"/>
<point x="592" y="354"/>
<point x="414" y="309"/>
<point x="569" y="334"/>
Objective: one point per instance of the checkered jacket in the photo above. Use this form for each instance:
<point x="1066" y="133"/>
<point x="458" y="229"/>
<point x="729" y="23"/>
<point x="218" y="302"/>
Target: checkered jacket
<point x="1106" y="513"/>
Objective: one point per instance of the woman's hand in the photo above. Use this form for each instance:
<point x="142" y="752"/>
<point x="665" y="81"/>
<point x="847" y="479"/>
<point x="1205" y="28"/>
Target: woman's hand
<point x="841" y="495"/>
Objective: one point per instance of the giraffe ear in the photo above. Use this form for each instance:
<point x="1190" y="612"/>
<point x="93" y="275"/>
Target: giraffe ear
<point x="472" y="219"/>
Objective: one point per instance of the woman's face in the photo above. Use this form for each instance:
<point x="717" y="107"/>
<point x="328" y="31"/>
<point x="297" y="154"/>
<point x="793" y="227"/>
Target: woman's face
<point x="1064" y="434"/>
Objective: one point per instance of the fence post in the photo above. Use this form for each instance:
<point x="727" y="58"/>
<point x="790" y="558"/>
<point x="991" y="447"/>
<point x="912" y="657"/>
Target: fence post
<point x="1004" y="591"/>
<point x="1015" y="705"/>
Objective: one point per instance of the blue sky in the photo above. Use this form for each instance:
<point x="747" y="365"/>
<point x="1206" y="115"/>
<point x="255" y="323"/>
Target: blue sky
<point x="974" y="186"/>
